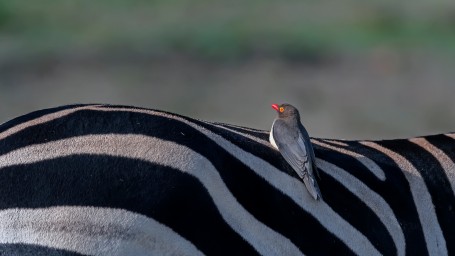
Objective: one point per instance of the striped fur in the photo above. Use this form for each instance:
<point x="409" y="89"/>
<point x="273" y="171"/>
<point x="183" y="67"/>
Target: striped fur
<point x="116" y="180"/>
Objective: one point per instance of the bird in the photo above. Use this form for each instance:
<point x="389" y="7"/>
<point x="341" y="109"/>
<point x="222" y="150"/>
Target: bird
<point x="291" y="139"/>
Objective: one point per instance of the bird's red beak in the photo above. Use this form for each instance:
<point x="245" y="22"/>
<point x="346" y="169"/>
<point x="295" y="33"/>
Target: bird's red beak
<point x="275" y="106"/>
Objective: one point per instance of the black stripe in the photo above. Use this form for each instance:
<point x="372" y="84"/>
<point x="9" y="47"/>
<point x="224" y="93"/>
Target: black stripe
<point x="445" y="143"/>
<point x="171" y="197"/>
<point x="437" y="183"/>
<point x="244" y="130"/>
<point x="32" y="250"/>
<point x="395" y="189"/>
<point x="253" y="192"/>
<point x="33" y="115"/>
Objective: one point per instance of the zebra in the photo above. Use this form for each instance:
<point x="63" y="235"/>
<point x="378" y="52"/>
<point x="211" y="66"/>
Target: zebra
<point x="117" y="180"/>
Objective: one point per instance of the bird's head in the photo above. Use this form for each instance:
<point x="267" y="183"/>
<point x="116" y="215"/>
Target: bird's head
<point x="286" y="110"/>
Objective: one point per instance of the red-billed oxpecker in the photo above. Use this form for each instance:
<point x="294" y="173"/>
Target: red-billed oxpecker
<point x="293" y="142"/>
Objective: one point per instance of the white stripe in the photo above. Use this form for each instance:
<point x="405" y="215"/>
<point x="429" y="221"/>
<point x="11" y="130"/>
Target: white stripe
<point x="434" y="238"/>
<point x="262" y="238"/>
<point x="92" y="231"/>
<point x="368" y="163"/>
<point x="447" y="164"/>
<point x="374" y="201"/>
<point x="337" y="142"/>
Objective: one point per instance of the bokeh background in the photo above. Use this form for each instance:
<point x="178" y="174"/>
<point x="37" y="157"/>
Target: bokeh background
<point x="355" y="69"/>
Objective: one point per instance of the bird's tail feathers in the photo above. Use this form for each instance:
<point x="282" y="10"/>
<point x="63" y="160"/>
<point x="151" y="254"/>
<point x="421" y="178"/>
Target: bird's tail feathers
<point x="312" y="187"/>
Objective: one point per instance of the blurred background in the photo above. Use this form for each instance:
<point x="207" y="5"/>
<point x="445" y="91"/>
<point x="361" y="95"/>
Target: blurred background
<point x="355" y="69"/>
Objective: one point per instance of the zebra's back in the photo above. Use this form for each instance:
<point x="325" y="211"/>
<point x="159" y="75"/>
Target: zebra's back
<point x="116" y="180"/>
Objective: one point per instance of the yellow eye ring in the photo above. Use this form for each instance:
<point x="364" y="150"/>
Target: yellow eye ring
<point x="281" y="109"/>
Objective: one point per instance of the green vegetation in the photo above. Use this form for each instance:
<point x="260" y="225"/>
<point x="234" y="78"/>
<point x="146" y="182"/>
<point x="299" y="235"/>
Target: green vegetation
<point x="223" y="29"/>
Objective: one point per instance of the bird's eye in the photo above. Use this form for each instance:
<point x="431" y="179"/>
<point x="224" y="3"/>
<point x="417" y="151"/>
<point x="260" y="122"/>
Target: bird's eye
<point x="281" y="109"/>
